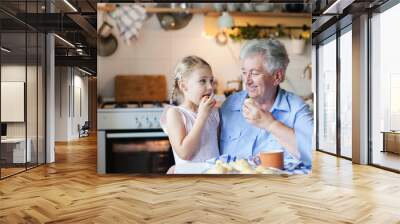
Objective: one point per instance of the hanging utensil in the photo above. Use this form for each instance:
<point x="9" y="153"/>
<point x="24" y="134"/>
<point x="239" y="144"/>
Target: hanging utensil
<point x="107" y="44"/>
<point x="174" y="21"/>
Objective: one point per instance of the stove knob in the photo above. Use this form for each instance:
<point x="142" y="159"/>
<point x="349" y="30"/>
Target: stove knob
<point x="148" y="122"/>
<point x="138" y="123"/>
<point x="156" y="122"/>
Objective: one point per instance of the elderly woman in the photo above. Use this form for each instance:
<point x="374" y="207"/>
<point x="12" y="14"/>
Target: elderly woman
<point x="264" y="116"/>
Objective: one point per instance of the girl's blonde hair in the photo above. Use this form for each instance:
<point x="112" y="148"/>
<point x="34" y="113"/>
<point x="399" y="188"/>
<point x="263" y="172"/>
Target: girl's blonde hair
<point x="183" y="69"/>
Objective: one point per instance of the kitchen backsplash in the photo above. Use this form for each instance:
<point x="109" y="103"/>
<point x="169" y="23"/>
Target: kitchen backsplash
<point x="157" y="51"/>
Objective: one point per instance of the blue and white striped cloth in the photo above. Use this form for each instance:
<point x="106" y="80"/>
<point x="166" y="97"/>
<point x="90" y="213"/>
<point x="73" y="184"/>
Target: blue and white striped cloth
<point x="291" y="166"/>
<point x="129" y="19"/>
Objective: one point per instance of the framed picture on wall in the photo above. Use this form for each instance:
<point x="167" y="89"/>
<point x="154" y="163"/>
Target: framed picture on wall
<point x="12" y="101"/>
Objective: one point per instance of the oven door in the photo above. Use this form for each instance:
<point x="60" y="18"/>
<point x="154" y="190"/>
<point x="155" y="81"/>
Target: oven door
<point x="138" y="152"/>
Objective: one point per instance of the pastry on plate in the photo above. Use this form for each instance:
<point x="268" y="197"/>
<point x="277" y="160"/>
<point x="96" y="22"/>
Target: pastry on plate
<point x="227" y="166"/>
<point x="218" y="168"/>
<point x="262" y="170"/>
<point x="240" y="165"/>
<point x="248" y="171"/>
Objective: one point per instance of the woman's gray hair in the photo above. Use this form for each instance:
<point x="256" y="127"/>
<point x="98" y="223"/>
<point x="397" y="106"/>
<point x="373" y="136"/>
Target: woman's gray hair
<point x="273" y="51"/>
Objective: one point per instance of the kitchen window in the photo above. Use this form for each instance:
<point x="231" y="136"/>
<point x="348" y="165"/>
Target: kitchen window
<point x="385" y="89"/>
<point x="346" y="76"/>
<point x="326" y="87"/>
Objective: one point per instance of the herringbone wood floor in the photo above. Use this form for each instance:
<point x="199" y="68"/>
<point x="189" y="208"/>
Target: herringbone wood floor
<point x="70" y="191"/>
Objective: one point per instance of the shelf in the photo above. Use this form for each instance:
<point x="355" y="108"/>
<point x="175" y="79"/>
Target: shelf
<point x="178" y="10"/>
<point x="264" y="14"/>
<point x="211" y="12"/>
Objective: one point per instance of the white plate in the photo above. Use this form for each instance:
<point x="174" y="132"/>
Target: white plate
<point x="191" y="168"/>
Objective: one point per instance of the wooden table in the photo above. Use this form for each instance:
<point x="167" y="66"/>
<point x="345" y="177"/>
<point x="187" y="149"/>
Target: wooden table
<point x="391" y="141"/>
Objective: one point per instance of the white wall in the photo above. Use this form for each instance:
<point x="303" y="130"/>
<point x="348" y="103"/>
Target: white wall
<point x="68" y="83"/>
<point x="81" y="84"/>
<point x="33" y="127"/>
<point x="14" y="72"/>
<point x="17" y="73"/>
<point x="157" y="51"/>
<point x="62" y="81"/>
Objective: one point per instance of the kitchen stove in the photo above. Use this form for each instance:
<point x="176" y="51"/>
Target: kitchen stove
<point x="128" y="116"/>
<point x="130" y="138"/>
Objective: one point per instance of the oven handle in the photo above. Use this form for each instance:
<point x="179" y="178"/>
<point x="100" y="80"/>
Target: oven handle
<point x="136" y="135"/>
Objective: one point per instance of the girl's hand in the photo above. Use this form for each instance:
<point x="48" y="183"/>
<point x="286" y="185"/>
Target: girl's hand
<point x="205" y="106"/>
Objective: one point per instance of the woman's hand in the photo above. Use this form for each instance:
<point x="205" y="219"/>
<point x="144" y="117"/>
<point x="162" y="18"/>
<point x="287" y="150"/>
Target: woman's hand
<point x="205" y="106"/>
<point x="257" y="116"/>
<point x="285" y="135"/>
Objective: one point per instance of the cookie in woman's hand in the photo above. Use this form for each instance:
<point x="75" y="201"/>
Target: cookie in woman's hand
<point x="249" y="101"/>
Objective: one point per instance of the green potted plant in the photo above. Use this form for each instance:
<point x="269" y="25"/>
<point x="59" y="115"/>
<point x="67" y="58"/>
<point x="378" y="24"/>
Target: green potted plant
<point x="298" y="42"/>
<point x="248" y="32"/>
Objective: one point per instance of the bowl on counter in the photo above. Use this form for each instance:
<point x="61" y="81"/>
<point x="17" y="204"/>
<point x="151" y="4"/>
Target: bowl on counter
<point x="264" y="7"/>
<point x="246" y="7"/>
<point x="294" y="7"/>
<point x="233" y="7"/>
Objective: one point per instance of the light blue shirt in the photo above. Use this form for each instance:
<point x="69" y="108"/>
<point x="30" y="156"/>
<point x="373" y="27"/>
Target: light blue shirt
<point x="242" y="139"/>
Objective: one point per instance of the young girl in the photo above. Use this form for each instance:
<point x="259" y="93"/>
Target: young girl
<point x="192" y="127"/>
